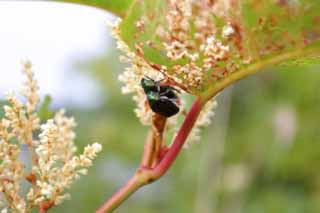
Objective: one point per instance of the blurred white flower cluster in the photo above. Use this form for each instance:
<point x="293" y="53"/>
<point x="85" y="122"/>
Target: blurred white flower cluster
<point x="54" y="165"/>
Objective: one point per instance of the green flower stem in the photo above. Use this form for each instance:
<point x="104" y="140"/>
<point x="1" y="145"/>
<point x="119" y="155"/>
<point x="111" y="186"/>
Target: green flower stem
<point x="213" y="89"/>
<point x="145" y="176"/>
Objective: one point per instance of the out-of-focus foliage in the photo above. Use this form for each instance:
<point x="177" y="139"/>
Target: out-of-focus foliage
<point x="44" y="109"/>
<point x="274" y="133"/>
<point x="117" y="7"/>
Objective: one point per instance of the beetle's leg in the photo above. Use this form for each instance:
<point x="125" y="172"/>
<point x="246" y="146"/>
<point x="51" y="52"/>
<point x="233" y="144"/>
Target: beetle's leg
<point x="173" y="100"/>
<point x="169" y="99"/>
<point x="167" y="89"/>
<point x="147" y="77"/>
<point x="178" y="91"/>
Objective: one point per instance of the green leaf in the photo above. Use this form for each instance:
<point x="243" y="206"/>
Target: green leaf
<point x="265" y="29"/>
<point x="153" y="15"/>
<point x="44" y="110"/>
<point x="117" y="7"/>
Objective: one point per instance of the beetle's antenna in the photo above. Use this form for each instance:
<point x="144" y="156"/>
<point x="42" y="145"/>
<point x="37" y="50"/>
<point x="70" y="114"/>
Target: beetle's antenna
<point x="149" y="78"/>
<point x="178" y="91"/>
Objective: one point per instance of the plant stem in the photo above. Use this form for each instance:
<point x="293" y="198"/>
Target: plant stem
<point x="179" y="140"/>
<point x="45" y="206"/>
<point x="148" y="151"/>
<point x="133" y="184"/>
<point x="158" y="127"/>
<point x="153" y="143"/>
<point x="42" y="210"/>
<point x="144" y="175"/>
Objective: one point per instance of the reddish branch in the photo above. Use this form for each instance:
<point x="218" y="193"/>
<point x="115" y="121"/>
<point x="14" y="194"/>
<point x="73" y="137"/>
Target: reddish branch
<point x="156" y="159"/>
<point x="45" y="206"/>
<point x="179" y="140"/>
<point x="154" y="142"/>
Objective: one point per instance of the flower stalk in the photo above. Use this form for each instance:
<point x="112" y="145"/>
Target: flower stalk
<point x="146" y="175"/>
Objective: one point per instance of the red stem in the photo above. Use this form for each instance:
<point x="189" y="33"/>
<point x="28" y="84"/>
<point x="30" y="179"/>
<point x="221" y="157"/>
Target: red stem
<point x="148" y="151"/>
<point x="42" y="210"/>
<point x="179" y="140"/>
<point x="146" y="175"/>
<point x="132" y="185"/>
<point x="45" y="206"/>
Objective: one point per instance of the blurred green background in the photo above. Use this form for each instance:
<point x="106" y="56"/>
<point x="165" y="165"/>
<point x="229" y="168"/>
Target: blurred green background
<point x="260" y="154"/>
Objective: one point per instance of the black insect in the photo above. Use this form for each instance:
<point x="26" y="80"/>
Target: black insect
<point x="162" y="99"/>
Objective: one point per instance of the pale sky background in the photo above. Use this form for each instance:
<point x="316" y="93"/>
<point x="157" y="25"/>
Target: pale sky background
<point x="52" y="36"/>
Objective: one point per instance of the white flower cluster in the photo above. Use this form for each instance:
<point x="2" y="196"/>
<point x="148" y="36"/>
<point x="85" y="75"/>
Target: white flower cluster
<point x="54" y="166"/>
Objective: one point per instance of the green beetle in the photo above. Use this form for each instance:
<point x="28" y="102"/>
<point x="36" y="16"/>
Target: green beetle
<point x="162" y="99"/>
